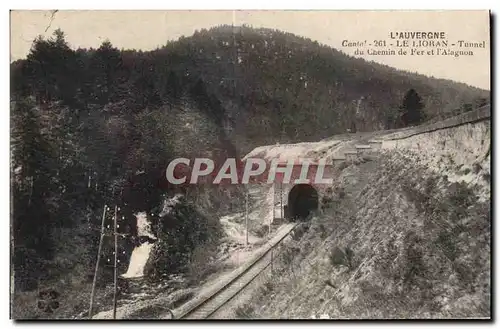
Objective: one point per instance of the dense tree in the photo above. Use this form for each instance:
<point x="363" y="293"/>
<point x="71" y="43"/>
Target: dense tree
<point x="51" y="69"/>
<point x="33" y="189"/>
<point x="103" y="78"/>
<point x="411" y="109"/>
<point x="85" y="122"/>
<point x="467" y="107"/>
<point x="480" y="102"/>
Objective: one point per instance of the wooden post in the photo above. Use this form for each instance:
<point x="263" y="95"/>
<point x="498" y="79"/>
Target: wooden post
<point x="97" y="263"/>
<point x="272" y="258"/>
<point x="246" y="216"/>
<point x="281" y="200"/>
<point x="274" y="208"/>
<point x="116" y="263"/>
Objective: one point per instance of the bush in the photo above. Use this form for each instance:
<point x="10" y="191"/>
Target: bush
<point x="323" y="232"/>
<point x="244" y="312"/>
<point x="326" y="201"/>
<point x="415" y="270"/>
<point x="181" y="233"/>
<point x="268" y="287"/>
<point x="288" y="254"/>
<point x="476" y="168"/>
<point x="261" y="231"/>
<point x="340" y="192"/>
<point x="299" y="231"/>
<point x="466" y="171"/>
<point x="447" y="244"/>
<point x="460" y="195"/>
<point x="201" y="263"/>
<point x="339" y="257"/>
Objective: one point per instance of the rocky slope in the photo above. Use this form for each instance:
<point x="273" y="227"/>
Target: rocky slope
<point x="408" y="237"/>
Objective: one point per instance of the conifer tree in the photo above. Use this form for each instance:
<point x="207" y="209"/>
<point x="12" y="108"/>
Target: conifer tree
<point x="411" y="109"/>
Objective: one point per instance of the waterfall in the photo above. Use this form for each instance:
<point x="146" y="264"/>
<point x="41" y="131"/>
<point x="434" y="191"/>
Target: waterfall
<point x="138" y="260"/>
<point x="143" y="226"/>
<point x="140" y="254"/>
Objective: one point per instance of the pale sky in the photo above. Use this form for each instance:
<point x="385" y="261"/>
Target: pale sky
<point x="147" y="30"/>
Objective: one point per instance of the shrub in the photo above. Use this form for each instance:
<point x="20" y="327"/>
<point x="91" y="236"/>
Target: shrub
<point x="268" y="286"/>
<point x="181" y="233"/>
<point x="344" y="164"/>
<point x="447" y="245"/>
<point x="466" y="171"/>
<point x="340" y="192"/>
<point x="244" y="312"/>
<point x="460" y="195"/>
<point x="323" y="232"/>
<point x="415" y="269"/>
<point x="339" y="257"/>
<point x="261" y="231"/>
<point x="476" y="168"/>
<point x="326" y="201"/>
<point x="299" y="232"/>
<point x="288" y="254"/>
<point x="201" y="263"/>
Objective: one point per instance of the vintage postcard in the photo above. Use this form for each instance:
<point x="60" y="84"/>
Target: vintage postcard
<point x="236" y="165"/>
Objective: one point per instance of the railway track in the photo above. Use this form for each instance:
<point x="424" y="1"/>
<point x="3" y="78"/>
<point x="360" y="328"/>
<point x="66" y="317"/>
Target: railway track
<point x="206" y="304"/>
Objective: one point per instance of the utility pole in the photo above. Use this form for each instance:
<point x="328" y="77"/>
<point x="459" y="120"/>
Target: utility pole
<point x="115" y="288"/>
<point x="281" y="200"/>
<point x="97" y="262"/>
<point x="272" y="260"/>
<point x="246" y="215"/>
<point x="274" y="208"/>
<point x="274" y="200"/>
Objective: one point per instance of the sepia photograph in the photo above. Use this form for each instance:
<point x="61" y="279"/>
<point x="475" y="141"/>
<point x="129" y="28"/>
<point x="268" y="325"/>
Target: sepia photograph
<point x="250" y="165"/>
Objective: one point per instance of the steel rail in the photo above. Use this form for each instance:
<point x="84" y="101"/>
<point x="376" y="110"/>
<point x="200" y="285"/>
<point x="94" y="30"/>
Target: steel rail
<point x="202" y="307"/>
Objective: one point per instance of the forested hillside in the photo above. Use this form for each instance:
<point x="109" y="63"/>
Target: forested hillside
<point x="85" y="122"/>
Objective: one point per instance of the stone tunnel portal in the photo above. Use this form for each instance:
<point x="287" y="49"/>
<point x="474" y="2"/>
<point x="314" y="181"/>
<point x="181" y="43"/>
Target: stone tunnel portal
<point x="302" y="200"/>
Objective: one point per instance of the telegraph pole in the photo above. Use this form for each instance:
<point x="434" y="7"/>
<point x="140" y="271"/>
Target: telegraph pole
<point x="274" y="208"/>
<point x="246" y="215"/>
<point x="97" y="262"/>
<point x="115" y="288"/>
<point x="281" y="200"/>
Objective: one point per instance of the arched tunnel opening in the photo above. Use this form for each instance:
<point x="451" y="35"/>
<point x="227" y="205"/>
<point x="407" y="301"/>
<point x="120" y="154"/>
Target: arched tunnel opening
<point x="302" y="200"/>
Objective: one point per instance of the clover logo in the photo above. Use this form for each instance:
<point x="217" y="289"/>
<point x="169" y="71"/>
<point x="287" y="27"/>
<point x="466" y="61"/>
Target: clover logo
<point x="47" y="300"/>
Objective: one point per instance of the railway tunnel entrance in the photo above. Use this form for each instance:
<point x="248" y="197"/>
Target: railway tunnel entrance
<point x="302" y="200"/>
